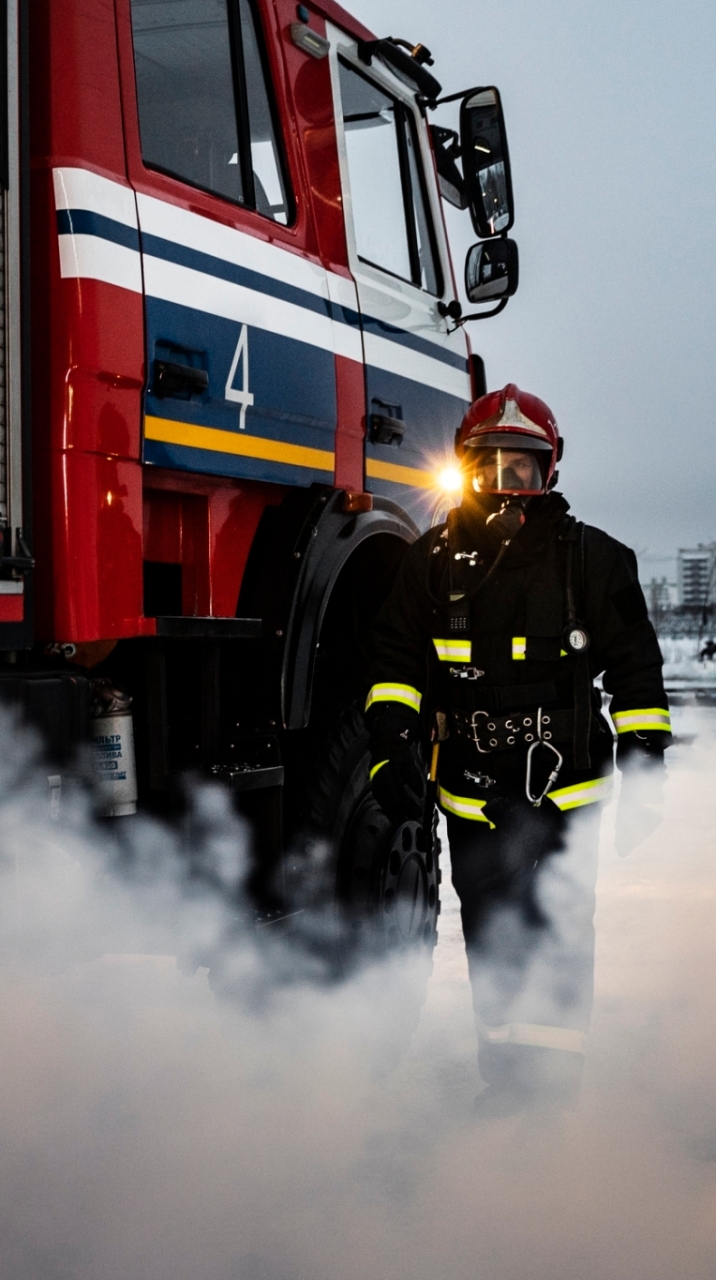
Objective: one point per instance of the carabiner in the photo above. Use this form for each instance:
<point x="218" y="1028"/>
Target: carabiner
<point x="537" y="800"/>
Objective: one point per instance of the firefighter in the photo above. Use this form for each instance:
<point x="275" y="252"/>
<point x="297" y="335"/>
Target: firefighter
<point x="502" y="618"/>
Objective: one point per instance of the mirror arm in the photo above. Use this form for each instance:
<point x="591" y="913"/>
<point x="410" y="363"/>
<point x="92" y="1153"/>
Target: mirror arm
<point x="451" y="97"/>
<point x="480" y="315"/>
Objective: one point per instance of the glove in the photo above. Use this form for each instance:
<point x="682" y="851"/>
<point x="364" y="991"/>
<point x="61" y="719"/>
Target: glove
<point x="644" y="747"/>
<point x="641" y="800"/>
<point x="397" y="780"/>
<point x="399" y="787"/>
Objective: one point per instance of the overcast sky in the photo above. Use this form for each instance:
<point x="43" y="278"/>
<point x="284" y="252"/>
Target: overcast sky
<point x="611" y="118"/>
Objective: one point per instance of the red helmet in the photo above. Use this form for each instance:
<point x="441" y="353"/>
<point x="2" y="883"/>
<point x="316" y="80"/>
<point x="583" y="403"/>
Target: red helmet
<point x="504" y="425"/>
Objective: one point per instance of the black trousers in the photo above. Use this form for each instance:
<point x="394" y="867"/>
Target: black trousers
<point x="527" y="896"/>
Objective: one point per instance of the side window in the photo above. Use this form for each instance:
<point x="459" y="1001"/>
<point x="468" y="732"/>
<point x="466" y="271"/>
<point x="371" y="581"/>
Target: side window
<point x="269" y="188"/>
<point x="390" y="215"/>
<point x="205" y="115"/>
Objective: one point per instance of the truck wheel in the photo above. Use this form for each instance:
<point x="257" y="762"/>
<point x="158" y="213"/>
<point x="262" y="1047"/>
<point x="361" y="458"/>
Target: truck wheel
<point x="376" y="879"/>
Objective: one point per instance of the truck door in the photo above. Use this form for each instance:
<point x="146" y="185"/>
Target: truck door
<point x="239" y="329"/>
<point x="417" y="382"/>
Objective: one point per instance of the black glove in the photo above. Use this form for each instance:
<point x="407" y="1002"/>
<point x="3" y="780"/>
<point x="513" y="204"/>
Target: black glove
<point x="399" y="788"/>
<point x="398" y="781"/>
<point x="639" y="812"/>
<point x="645" y="746"/>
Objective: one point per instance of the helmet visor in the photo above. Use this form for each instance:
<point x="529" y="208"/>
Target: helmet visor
<point x="511" y="470"/>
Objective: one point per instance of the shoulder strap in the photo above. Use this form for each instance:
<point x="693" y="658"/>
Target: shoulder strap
<point x="574" y="538"/>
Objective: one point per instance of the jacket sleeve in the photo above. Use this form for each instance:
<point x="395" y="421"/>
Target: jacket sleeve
<point x="400" y="639"/>
<point x="626" y="649"/>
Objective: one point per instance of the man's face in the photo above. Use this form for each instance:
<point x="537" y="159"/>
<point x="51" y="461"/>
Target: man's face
<point x="507" y="471"/>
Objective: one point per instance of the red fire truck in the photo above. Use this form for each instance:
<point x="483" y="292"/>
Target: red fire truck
<point x="233" y="365"/>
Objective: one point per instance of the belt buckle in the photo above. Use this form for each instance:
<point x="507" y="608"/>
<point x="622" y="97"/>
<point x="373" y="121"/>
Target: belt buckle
<point x="475" y="727"/>
<point x="466" y="673"/>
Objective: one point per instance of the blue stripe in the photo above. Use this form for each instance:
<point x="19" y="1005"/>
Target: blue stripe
<point x="79" y="222"/>
<point x="82" y="222"/>
<point x="381" y="329"/>
<point x="208" y="265"/>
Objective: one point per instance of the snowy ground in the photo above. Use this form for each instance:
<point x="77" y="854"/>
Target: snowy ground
<point x="682" y="668"/>
<point x="151" y="1132"/>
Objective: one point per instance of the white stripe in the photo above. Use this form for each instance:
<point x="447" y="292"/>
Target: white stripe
<point x="10" y="587"/>
<point x="80" y="189"/>
<point x="347" y="338"/>
<point x="536" y="1035"/>
<point x="180" y="226"/>
<point x="393" y="357"/>
<point x="90" y="257"/>
<point x="463" y="806"/>
<point x="574" y="796"/>
<point x="453" y="650"/>
<point x="342" y="291"/>
<point x="394" y="693"/>
<point x="186" y="287"/>
<point x="642" y="717"/>
<point x="347" y="341"/>
<point x="459" y="806"/>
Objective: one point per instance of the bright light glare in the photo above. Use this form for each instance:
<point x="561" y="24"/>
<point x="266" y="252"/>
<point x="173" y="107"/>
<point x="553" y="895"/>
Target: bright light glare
<point x="450" y="479"/>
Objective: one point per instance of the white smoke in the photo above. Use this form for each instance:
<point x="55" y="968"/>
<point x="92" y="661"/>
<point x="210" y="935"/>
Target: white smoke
<point x="151" y="1131"/>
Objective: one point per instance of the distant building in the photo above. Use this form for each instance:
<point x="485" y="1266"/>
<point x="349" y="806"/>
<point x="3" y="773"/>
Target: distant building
<point x="660" y="595"/>
<point x="696" y="576"/>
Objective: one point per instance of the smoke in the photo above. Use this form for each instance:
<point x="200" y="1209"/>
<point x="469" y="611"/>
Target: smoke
<point x="152" y="1131"/>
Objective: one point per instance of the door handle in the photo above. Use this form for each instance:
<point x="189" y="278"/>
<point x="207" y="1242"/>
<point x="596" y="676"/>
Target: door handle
<point x="385" y="430"/>
<point x="387" y="427"/>
<point x="178" y="381"/>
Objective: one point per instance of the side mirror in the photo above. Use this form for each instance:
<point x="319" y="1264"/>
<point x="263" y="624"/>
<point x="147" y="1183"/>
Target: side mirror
<point x="486" y="162"/>
<point x="492" y="270"/>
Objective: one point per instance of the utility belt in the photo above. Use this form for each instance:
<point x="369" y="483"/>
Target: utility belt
<point x="535" y="729"/>
<point x="467" y="692"/>
<point x="488" y="732"/>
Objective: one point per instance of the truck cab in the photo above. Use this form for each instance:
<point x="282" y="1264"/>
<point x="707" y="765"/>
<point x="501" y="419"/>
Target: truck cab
<point x="234" y="366"/>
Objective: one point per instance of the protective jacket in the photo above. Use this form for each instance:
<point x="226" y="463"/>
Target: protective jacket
<point x="508" y="641"/>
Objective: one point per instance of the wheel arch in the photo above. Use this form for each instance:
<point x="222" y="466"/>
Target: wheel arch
<point x="340" y="541"/>
<point x="299" y="559"/>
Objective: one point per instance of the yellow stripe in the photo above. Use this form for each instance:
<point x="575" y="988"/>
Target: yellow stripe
<point x="642" y="718"/>
<point x="519" y="646"/>
<point x="375" y="769"/>
<point x="463" y="807"/>
<point x="169" y="431"/>
<point x="453" y="650"/>
<point x="581" y="793"/>
<point x="392" y="692"/>
<point x="400" y="475"/>
<point x="166" y="431"/>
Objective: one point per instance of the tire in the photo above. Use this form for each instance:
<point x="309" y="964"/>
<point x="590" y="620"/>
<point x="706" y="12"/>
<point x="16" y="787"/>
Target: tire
<point x="374" y="880"/>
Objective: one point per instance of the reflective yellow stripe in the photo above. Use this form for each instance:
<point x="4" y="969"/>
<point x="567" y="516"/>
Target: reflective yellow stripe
<point x="404" y="693"/>
<point x="519" y="646"/>
<point x="533" y="1033"/>
<point x="463" y="807"/>
<point x="399" y="475"/>
<point x="649" y="718"/>
<point x="375" y="769"/>
<point x="453" y="650"/>
<point x="581" y="793"/>
<point x="212" y="439"/>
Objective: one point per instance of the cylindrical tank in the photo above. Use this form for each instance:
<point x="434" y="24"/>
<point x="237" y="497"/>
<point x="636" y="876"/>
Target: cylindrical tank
<point x="113" y="760"/>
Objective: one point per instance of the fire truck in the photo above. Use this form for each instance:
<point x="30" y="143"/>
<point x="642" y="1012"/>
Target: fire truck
<point x="233" y="363"/>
